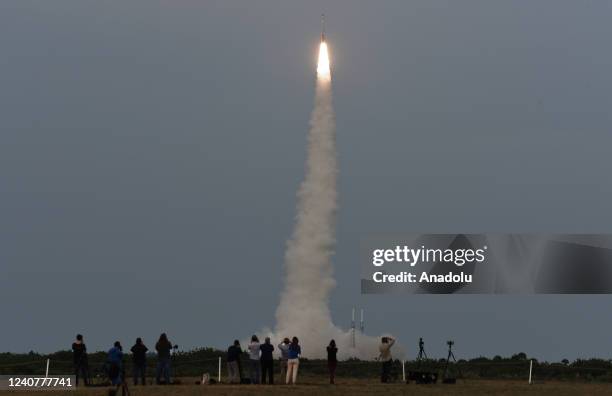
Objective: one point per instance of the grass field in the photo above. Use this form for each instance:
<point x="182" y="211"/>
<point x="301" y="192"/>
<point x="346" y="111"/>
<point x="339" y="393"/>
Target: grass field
<point x="318" y="387"/>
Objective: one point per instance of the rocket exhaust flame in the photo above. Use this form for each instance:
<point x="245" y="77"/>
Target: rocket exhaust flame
<point x="323" y="70"/>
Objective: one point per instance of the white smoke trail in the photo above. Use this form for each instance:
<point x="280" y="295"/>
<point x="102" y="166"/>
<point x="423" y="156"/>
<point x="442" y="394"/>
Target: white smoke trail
<point x="303" y="310"/>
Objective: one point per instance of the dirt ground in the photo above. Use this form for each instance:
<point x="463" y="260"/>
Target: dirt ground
<point x="318" y="387"/>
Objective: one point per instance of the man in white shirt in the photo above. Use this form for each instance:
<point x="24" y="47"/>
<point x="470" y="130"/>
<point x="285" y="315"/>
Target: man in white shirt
<point x="284" y="348"/>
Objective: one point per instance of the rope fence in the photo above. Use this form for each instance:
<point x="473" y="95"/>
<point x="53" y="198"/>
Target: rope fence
<point x="529" y="370"/>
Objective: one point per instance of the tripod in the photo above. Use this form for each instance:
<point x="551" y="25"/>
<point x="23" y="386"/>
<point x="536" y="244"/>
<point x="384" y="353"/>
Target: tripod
<point x="124" y="389"/>
<point x="450" y="355"/>
<point x="121" y="384"/>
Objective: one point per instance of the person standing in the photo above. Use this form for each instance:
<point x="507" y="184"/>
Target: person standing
<point x="233" y="362"/>
<point x="163" y="348"/>
<point x="115" y="361"/>
<point x="116" y="370"/>
<point x="332" y="361"/>
<point x="385" y="357"/>
<point x="79" y="356"/>
<point x="293" y="361"/>
<point x="254" y="362"/>
<point x="139" y="360"/>
<point x="284" y="349"/>
<point x="267" y="361"/>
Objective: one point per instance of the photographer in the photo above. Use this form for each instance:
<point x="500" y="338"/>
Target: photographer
<point x="139" y="360"/>
<point x="115" y="362"/>
<point x="163" y="348"/>
<point x="116" y="370"/>
<point x="385" y="357"/>
<point x="79" y="355"/>
<point x="293" y="363"/>
<point x="267" y="361"/>
<point x="332" y="361"/>
<point x="254" y="360"/>
<point x="233" y="362"/>
<point x="284" y="349"/>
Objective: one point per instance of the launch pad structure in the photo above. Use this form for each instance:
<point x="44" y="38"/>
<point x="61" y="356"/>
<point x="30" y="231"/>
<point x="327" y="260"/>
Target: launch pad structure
<point x="353" y="327"/>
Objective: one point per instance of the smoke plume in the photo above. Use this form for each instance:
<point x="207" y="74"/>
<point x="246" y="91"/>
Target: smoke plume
<point x="303" y="310"/>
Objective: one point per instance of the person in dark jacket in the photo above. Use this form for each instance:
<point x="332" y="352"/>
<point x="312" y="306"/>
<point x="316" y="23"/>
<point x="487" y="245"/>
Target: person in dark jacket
<point x="163" y="348"/>
<point x="267" y="361"/>
<point x="332" y="360"/>
<point x="139" y="360"/>
<point x="233" y="362"/>
<point x="79" y="356"/>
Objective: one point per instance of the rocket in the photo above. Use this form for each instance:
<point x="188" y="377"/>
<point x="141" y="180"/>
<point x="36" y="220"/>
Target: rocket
<point x="322" y="28"/>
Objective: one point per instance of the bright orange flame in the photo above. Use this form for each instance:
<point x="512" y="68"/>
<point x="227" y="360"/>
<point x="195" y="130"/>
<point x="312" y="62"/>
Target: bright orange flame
<point x="323" y="70"/>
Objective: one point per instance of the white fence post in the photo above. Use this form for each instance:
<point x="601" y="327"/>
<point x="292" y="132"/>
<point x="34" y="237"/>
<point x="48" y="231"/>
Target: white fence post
<point x="404" y="370"/>
<point x="219" y="369"/>
<point x="47" y="370"/>
<point x="530" y="370"/>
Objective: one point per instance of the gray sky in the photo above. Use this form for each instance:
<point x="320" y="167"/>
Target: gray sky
<point x="150" y="153"/>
